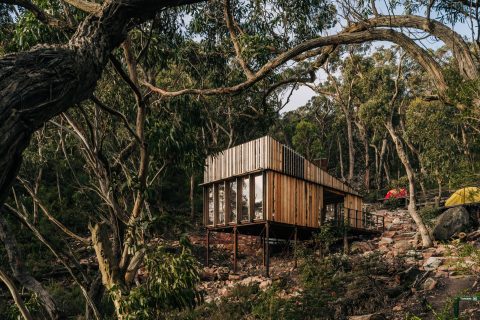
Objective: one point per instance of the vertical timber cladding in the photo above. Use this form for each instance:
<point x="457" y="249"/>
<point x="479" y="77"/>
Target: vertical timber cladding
<point x="293" y="201"/>
<point x="293" y="191"/>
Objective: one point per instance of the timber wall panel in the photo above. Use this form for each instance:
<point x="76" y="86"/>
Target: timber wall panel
<point x="287" y="199"/>
<point x="293" y="201"/>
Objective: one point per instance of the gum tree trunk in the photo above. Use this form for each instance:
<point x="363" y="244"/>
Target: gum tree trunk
<point x="41" y="83"/>
<point x="412" y="205"/>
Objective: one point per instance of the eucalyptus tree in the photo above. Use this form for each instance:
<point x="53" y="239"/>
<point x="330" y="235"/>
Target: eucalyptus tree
<point x="252" y="40"/>
<point x="80" y="61"/>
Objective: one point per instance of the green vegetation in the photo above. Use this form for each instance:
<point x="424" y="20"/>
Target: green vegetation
<point x="109" y="108"/>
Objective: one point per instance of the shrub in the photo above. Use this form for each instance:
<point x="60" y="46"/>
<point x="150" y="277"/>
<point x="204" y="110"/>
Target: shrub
<point x="171" y="284"/>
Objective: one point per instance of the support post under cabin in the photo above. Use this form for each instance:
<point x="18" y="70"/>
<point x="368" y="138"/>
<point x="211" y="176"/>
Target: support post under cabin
<point x="267" y="249"/>
<point x="208" y="247"/>
<point x="295" y="237"/>
<point x="262" y="242"/>
<point x="235" y="249"/>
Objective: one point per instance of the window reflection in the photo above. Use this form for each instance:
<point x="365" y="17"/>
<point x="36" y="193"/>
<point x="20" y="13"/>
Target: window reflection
<point x="258" y="197"/>
<point x="245" y="197"/>
<point x="211" y="211"/>
<point x="233" y="200"/>
<point x="221" y="203"/>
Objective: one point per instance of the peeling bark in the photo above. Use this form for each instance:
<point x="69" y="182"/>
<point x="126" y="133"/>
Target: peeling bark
<point x="41" y="83"/>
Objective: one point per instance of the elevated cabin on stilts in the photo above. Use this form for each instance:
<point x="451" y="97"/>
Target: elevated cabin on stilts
<point x="265" y="188"/>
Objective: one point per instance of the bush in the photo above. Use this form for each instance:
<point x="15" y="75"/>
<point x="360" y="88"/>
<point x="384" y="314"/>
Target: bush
<point x="171" y="284"/>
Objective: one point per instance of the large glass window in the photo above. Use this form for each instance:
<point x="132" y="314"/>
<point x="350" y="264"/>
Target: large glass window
<point x="232" y="189"/>
<point x="221" y="203"/>
<point x="245" y="197"/>
<point x="258" y="206"/>
<point x="211" y="207"/>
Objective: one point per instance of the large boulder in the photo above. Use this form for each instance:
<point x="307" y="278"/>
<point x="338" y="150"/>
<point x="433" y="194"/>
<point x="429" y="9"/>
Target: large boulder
<point x="450" y="222"/>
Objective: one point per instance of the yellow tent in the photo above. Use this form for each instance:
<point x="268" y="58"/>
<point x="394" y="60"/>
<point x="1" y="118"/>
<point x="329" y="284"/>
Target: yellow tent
<point x="464" y="195"/>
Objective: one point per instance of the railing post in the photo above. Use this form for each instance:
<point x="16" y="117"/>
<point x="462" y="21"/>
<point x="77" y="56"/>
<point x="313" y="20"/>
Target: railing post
<point x="356" y="218"/>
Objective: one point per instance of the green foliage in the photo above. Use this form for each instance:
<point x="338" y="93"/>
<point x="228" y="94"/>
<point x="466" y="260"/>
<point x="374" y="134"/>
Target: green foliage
<point x="306" y="140"/>
<point x="33" y="305"/>
<point x="394" y="203"/>
<point x="469" y="257"/>
<point x="445" y="313"/>
<point x="429" y="214"/>
<point x="270" y="306"/>
<point x="170" y="284"/>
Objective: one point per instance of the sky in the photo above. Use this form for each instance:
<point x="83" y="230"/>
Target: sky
<point x="303" y="94"/>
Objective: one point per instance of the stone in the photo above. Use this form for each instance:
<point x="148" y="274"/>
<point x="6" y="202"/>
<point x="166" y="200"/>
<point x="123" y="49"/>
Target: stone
<point x="397" y="308"/>
<point x="429" y="284"/>
<point x="450" y="222"/>
<point x="396" y="221"/>
<point x="402" y="245"/>
<point x="360" y="247"/>
<point x="223" y="292"/>
<point x="432" y="263"/>
<point x="389" y="234"/>
<point x="265" y="284"/>
<point x="234" y="277"/>
<point x="386" y="240"/>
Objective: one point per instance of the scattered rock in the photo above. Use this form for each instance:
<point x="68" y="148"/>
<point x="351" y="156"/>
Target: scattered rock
<point x="432" y="263"/>
<point x="234" y="277"/>
<point x="397" y="308"/>
<point x="429" y="284"/>
<point x="450" y="222"/>
<point x="265" y="284"/>
<point x="386" y="240"/>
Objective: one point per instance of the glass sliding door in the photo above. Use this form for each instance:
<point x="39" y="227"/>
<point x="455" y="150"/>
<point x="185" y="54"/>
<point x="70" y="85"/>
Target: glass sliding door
<point x="232" y="198"/>
<point x="211" y="206"/>
<point x="245" y="198"/>
<point x="258" y="204"/>
<point x="221" y="203"/>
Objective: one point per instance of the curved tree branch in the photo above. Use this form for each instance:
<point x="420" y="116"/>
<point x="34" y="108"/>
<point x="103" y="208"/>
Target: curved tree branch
<point x="41" y="15"/>
<point x="419" y="54"/>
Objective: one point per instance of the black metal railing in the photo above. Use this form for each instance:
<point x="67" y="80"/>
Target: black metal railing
<point x="362" y="220"/>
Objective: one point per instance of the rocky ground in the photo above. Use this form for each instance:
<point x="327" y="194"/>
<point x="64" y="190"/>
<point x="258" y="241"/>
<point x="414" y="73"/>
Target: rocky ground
<point x="439" y="273"/>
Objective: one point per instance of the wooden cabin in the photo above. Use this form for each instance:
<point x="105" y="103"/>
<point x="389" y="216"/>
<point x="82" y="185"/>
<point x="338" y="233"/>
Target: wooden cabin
<point x="265" y="188"/>
<point x="263" y="180"/>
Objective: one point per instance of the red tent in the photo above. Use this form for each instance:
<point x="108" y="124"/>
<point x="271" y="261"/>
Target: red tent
<point x="396" y="193"/>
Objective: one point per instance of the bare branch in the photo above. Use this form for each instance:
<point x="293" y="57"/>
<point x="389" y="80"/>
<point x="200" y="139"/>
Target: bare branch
<point x="117" y="114"/>
<point x="57" y="255"/>
<point x="238" y="51"/>
<point x="16" y="296"/>
<point x="60" y="225"/>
